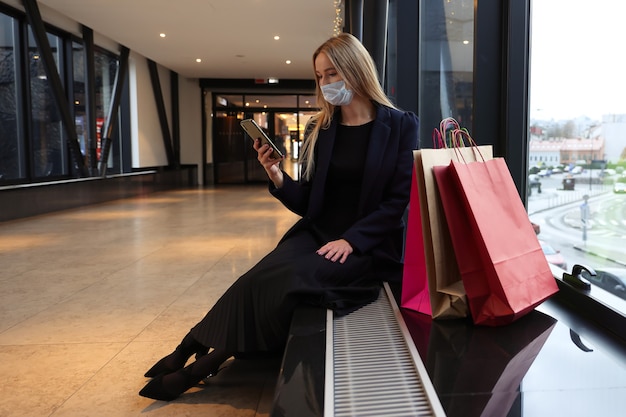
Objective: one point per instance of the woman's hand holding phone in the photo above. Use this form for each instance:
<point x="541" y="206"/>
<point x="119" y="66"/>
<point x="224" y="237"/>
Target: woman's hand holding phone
<point x="270" y="164"/>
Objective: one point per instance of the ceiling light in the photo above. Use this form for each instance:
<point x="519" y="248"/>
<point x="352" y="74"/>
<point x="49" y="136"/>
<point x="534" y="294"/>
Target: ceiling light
<point x="276" y="37"/>
<point x="162" y="35"/>
<point x="272" y="80"/>
<point x="288" y="61"/>
<point x="198" y="60"/>
<point x="465" y="42"/>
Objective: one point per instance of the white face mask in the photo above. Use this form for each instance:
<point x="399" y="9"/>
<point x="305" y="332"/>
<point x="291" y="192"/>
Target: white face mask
<point x="337" y="94"/>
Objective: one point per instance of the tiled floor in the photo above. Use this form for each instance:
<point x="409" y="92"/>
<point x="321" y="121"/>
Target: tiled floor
<point x="91" y="298"/>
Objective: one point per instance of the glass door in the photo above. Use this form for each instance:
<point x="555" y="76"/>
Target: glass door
<point x="282" y="117"/>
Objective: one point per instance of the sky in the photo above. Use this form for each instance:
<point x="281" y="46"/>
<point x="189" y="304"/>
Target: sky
<point x="578" y="59"/>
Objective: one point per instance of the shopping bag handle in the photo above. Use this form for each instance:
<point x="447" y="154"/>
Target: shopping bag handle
<point x="447" y="127"/>
<point x="450" y="134"/>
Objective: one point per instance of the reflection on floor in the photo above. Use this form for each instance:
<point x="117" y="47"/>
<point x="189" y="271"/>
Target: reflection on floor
<point x="91" y="298"/>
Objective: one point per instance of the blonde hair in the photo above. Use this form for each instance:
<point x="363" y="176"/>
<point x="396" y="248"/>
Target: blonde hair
<point x="356" y="67"/>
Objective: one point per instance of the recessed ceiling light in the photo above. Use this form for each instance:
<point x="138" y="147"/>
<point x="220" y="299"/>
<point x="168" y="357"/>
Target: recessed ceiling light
<point x="162" y="35"/>
<point x="198" y="60"/>
<point x="288" y="61"/>
<point x="276" y="37"/>
<point x="465" y="42"/>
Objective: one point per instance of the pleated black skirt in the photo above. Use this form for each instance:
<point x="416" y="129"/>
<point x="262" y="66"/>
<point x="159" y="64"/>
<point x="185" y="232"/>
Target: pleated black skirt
<point x="254" y="314"/>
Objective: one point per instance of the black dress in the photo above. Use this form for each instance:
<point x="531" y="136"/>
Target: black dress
<point x="254" y="314"/>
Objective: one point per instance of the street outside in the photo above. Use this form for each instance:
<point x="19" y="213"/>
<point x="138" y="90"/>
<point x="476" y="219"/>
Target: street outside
<point x="558" y="212"/>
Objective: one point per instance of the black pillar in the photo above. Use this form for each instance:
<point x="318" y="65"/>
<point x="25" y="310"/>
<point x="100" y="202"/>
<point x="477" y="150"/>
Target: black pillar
<point x="517" y="67"/>
<point x="158" y="99"/>
<point x="407" y="53"/>
<point x="501" y="65"/>
<point x="90" y="100"/>
<point x="353" y="12"/>
<point x="375" y="14"/>
<point x="175" y="117"/>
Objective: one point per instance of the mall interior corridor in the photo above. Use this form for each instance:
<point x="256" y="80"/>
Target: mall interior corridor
<point x="90" y="298"/>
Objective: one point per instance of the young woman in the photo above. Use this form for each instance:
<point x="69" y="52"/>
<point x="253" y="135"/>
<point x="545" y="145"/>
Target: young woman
<point x="357" y="167"/>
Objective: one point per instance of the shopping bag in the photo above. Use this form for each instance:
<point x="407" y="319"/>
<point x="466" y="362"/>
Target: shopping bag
<point x="504" y="270"/>
<point x="431" y="280"/>
<point x="415" y="294"/>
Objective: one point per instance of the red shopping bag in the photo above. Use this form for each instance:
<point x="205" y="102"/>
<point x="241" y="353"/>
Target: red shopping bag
<point x="503" y="268"/>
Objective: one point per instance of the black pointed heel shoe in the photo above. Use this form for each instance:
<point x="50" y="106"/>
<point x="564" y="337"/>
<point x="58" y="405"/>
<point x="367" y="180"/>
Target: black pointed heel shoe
<point x="177" y="359"/>
<point x="168" y="387"/>
<point x="171" y="363"/>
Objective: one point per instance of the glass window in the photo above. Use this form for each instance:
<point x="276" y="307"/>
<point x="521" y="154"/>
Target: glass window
<point x="46" y="134"/>
<point x="80" y="97"/>
<point x="279" y="115"/>
<point x="577" y="150"/>
<point x="106" y="70"/>
<point x="229" y="100"/>
<point x="446" y="64"/>
<point x="11" y="163"/>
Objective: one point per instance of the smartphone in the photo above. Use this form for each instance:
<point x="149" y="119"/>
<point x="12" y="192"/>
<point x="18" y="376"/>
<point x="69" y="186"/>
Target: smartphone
<point x="255" y="132"/>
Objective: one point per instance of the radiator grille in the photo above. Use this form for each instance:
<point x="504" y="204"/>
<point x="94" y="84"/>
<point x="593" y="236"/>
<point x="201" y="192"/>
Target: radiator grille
<point x="374" y="366"/>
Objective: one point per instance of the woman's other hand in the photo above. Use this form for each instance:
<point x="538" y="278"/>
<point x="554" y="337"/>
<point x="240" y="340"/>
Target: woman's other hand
<point x="271" y="165"/>
<point x="337" y="250"/>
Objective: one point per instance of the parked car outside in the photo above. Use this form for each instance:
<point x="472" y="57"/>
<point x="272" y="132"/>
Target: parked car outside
<point x="552" y="255"/>
<point x="534" y="181"/>
<point x="619" y="187"/>
<point x="612" y="280"/>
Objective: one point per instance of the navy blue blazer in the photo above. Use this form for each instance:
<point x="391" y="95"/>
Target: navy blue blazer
<point x="385" y="190"/>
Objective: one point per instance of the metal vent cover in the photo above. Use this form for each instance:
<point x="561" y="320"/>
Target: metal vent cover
<point x="373" y="367"/>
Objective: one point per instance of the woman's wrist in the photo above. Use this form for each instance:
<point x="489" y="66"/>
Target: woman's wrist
<point x="277" y="179"/>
